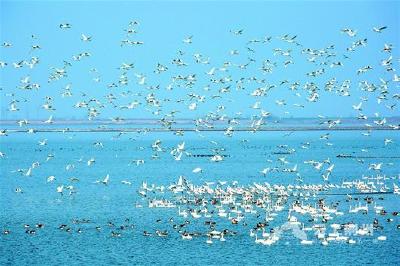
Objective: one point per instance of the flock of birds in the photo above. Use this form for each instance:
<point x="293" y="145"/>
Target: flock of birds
<point x="195" y="84"/>
<point x="194" y="81"/>
<point x="217" y="210"/>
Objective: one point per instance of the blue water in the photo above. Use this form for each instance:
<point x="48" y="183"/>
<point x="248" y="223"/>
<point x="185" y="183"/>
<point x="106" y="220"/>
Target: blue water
<point x="40" y="203"/>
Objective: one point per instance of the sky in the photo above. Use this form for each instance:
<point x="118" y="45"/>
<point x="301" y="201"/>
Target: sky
<point x="163" y="26"/>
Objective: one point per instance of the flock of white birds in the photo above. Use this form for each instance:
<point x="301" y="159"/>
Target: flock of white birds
<point x="192" y="80"/>
<point x="191" y="84"/>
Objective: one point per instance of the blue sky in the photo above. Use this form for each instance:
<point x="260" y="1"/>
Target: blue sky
<point x="163" y="26"/>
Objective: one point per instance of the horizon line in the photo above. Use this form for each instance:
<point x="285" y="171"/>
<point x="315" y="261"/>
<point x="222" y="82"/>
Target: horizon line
<point x="163" y="129"/>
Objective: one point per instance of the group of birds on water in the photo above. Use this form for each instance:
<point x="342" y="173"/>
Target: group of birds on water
<point x="216" y="211"/>
<point x="196" y="84"/>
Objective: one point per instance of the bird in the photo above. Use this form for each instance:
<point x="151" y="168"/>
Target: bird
<point x="60" y="189"/>
<point x="357" y="107"/>
<point x="65" y="26"/>
<point x="216" y="158"/>
<point x="13" y="107"/>
<point x="42" y="142"/>
<point x="125" y="182"/>
<point x="197" y="170"/>
<point x="91" y="161"/>
<point x="388" y="141"/>
<point x="349" y="32"/>
<point x="330" y="168"/>
<point x="375" y="166"/>
<point x="379" y="29"/>
<point x="265" y="171"/>
<point x="86" y="38"/>
<point x="49" y="120"/>
<point x="188" y="40"/>
<point x="104" y="181"/>
<point x="138" y="162"/>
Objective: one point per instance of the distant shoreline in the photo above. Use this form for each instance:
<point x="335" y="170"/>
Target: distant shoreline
<point x="243" y="129"/>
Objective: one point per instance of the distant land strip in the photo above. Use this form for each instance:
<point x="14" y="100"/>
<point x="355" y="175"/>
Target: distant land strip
<point x="162" y="129"/>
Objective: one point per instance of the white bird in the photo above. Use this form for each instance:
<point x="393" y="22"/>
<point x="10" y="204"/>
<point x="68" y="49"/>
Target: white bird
<point x="379" y="29"/>
<point x="325" y="177"/>
<point x="49" y="121"/>
<point x="256" y="105"/>
<point x="188" y="40"/>
<point x="13" y="107"/>
<point x="60" y="189"/>
<point x="192" y="106"/>
<point x="104" y="181"/>
<point x="22" y="122"/>
<point x="265" y="171"/>
<point x="330" y="168"/>
<point x="375" y="166"/>
<point x="318" y="165"/>
<point x="349" y="32"/>
<point x="91" y="161"/>
<point x="86" y="38"/>
<point x="98" y="144"/>
<point x="125" y="182"/>
<point x="216" y="158"/>
<point x="51" y="178"/>
<point x="313" y="97"/>
<point x="181" y="146"/>
<point x="211" y="71"/>
<point x="197" y="170"/>
<point x="29" y="172"/>
<point x="43" y="142"/>
<point x="178" y="157"/>
<point x="280" y="102"/>
<point x="357" y="107"/>
<point x="138" y="162"/>
<point x="387" y="141"/>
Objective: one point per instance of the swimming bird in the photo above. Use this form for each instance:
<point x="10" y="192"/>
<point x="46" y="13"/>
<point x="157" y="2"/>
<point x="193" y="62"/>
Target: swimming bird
<point x="60" y="189"/>
<point x="388" y="141"/>
<point x="197" y="170"/>
<point x="138" y="162"/>
<point x="125" y="182"/>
